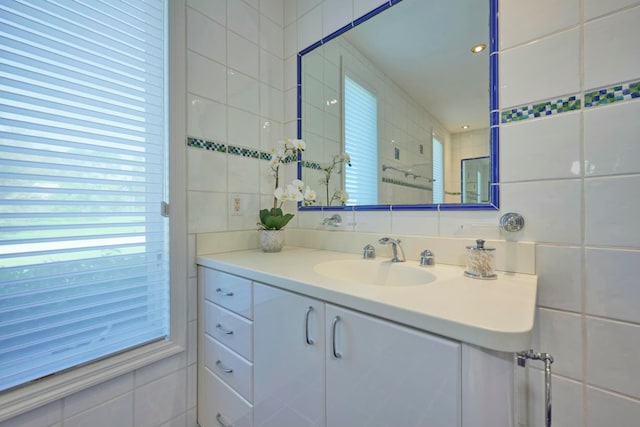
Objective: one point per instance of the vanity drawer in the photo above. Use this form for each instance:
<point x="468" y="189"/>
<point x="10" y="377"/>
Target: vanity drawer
<point x="229" y="291"/>
<point x="222" y="405"/>
<point x="232" y="330"/>
<point x="230" y="367"/>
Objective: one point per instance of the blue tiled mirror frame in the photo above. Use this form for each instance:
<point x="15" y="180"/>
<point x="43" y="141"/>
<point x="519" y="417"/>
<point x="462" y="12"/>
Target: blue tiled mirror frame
<point x="494" y="120"/>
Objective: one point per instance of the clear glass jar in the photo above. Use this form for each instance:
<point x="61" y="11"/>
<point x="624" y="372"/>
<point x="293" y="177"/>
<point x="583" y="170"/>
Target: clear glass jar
<point x="480" y="261"/>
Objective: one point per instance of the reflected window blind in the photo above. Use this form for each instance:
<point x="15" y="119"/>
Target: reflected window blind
<point x="438" y="171"/>
<point x="83" y="246"/>
<point x="361" y="143"/>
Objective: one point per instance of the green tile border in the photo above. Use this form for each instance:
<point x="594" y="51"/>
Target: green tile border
<point x="591" y="98"/>
<point x="546" y="108"/>
<point x="207" y="145"/>
<point x="623" y="92"/>
<point x="243" y="151"/>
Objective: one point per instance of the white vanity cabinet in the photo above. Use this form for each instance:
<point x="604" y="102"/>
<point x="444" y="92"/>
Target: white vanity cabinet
<point x="289" y="359"/>
<point x="366" y="371"/>
<point x="298" y="361"/>
<point x="225" y="385"/>
<point x="382" y="374"/>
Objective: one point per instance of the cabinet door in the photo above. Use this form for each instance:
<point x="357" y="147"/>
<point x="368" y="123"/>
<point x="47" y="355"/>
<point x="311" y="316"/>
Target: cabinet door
<point x="383" y="374"/>
<point x="288" y="359"/>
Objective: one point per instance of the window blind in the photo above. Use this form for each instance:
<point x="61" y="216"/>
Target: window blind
<point x="438" y="171"/>
<point x="361" y="143"/>
<point x="83" y="247"/>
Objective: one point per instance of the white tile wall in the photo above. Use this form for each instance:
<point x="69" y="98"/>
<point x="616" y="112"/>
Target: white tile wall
<point x="560" y="333"/>
<point x="568" y="405"/>
<point x="552" y="209"/>
<point x="612" y="356"/>
<point x="540" y="70"/>
<point x="243" y="92"/>
<point x="611" y="40"/>
<point x="553" y="142"/>
<point x="242" y="54"/>
<point x="243" y="19"/>
<point x="549" y="197"/>
<point x="616" y="124"/>
<point x="560" y="281"/>
<point x="201" y="31"/>
<point x="206" y="118"/>
<point x="606" y="409"/>
<point x="597" y="8"/>
<point x="206" y="77"/>
<point x="214" y="9"/>
<point x="526" y="21"/>
<point x="611" y="217"/>
<point x="611" y="291"/>
<point x="274" y="10"/>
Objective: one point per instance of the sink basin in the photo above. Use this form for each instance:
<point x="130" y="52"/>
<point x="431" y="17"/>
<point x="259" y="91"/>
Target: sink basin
<point x="373" y="272"/>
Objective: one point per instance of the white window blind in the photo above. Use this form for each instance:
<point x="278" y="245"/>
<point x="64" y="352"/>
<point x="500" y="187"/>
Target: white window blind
<point x="83" y="247"/>
<point x="438" y="171"/>
<point x="361" y="143"/>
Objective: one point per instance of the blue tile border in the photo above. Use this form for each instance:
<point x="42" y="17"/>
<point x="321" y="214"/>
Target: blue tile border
<point x="247" y="152"/>
<point x="545" y="108"/>
<point x="592" y="98"/>
<point x="207" y="145"/>
<point x="622" y="92"/>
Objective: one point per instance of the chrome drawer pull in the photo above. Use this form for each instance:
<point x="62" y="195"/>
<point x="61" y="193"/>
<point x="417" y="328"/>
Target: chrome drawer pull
<point x="223" y="368"/>
<point x="224" y="330"/>
<point x="334" y="326"/>
<point x="221" y="421"/>
<point x="225" y="293"/>
<point x="306" y="326"/>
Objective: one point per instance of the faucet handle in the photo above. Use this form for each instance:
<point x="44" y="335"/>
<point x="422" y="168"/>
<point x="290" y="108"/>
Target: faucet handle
<point x="427" y="258"/>
<point x="369" y="252"/>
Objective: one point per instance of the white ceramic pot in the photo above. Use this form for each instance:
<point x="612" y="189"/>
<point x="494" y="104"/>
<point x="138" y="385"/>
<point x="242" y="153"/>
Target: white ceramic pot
<point x="271" y="240"/>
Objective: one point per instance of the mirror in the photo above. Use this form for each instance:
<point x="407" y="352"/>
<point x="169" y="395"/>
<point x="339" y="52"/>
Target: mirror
<point x="402" y="94"/>
<point x="475" y="180"/>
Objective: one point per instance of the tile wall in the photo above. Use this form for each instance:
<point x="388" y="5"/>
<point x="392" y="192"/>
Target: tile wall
<point x="572" y="169"/>
<point x="569" y="163"/>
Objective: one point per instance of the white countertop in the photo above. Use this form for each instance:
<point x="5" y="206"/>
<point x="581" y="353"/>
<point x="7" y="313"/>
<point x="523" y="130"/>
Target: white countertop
<point x="495" y="314"/>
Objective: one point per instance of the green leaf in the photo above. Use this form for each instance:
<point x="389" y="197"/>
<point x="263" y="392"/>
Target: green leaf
<point x="274" y="219"/>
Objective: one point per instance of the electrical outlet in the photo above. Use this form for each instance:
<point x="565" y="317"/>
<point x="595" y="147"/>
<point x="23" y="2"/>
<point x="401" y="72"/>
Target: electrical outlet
<point x="236" y="205"/>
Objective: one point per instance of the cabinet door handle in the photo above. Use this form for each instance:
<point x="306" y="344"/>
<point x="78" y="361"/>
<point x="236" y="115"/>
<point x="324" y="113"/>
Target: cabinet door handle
<point x="334" y="326"/>
<point x="306" y="326"/>
<point x="223" y="368"/>
<point x="224" y="292"/>
<point x="221" y="421"/>
<point x="224" y="330"/>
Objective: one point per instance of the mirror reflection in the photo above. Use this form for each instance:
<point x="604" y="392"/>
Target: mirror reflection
<point x="391" y="109"/>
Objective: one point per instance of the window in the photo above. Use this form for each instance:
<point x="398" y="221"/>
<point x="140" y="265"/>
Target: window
<point x="438" y="170"/>
<point x="361" y="143"/>
<point x="83" y="173"/>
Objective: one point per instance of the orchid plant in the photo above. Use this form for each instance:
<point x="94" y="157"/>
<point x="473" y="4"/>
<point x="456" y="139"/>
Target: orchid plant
<point x="336" y="166"/>
<point x="284" y="152"/>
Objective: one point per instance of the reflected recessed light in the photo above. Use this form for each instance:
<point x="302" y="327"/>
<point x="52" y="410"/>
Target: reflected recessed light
<point x="465" y="126"/>
<point x="478" y="48"/>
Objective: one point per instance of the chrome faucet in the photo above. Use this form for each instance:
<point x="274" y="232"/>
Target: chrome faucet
<point x="334" y="221"/>
<point x="395" y="244"/>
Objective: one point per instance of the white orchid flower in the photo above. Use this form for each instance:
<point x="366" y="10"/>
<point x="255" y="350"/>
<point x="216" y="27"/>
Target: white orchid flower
<point x="294" y="193"/>
<point x="281" y="195"/>
<point x="344" y="196"/>
<point x="309" y="194"/>
<point x="298" y="184"/>
<point x="298" y="144"/>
